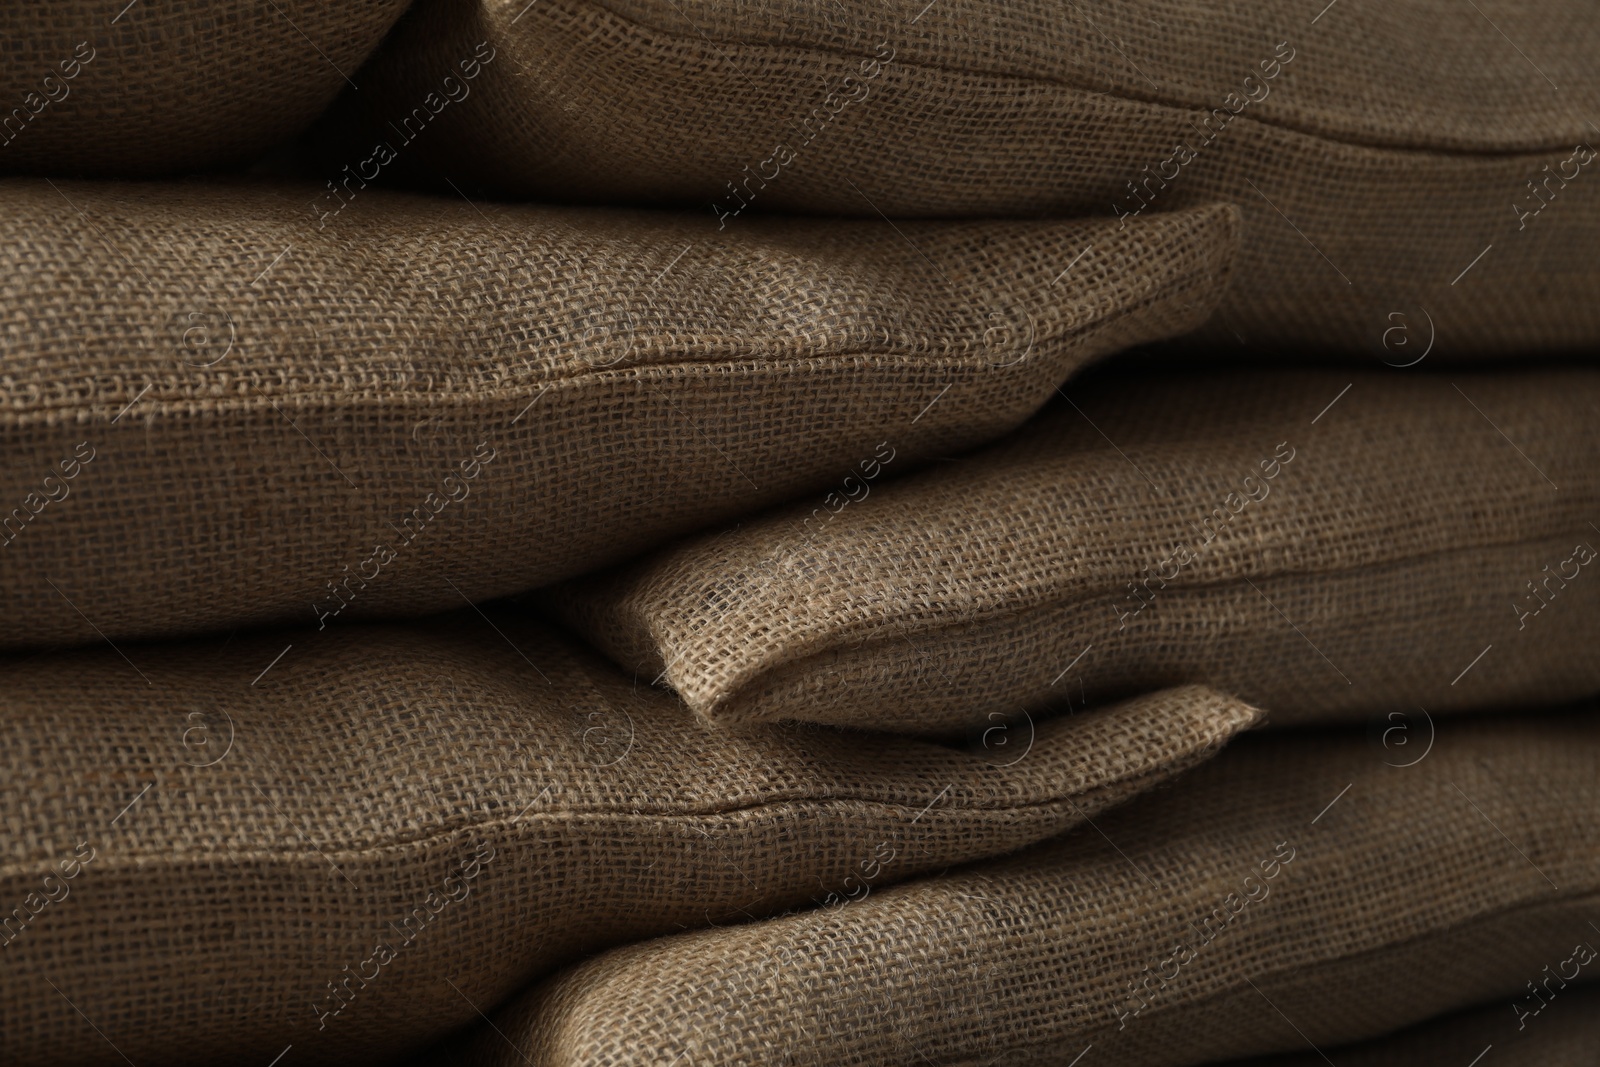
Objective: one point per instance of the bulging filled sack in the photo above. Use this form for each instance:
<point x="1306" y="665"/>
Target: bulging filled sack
<point x="121" y="88"/>
<point x="1326" y="546"/>
<point x="1292" y="894"/>
<point x="348" y="843"/>
<point x="238" y="403"/>
<point x="1404" y="170"/>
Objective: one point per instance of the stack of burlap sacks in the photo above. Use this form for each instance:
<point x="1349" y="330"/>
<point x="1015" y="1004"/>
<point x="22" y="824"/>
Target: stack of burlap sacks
<point x="585" y="532"/>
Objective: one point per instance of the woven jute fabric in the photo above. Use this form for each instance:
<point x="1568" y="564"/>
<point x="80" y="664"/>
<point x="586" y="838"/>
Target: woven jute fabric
<point x="216" y="850"/>
<point x="234" y="403"/>
<point x="1377" y="150"/>
<point x="1327" y="546"/>
<point x="1294" y="890"/>
<point x="1566" y="1034"/>
<point x="109" y="87"/>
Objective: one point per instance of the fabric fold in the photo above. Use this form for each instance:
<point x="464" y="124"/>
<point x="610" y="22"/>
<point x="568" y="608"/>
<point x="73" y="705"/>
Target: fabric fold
<point x="309" y="405"/>
<point x="1330" y="547"/>
<point x="1293" y="890"/>
<point x="327" y="834"/>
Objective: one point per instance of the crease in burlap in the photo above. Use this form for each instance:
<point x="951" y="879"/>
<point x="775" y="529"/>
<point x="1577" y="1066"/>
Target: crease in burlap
<point x="268" y="842"/>
<point x="1296" y="889"/>
<point x="1376" y="152"/>
<point x="1153" y="530"/>
<point x="420" y="400"/>
<point x="141" y="89"/>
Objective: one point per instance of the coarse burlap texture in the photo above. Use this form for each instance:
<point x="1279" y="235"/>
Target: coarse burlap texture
<point x="1566" y="1033"/>
<point x="1294" y="889"/>
<point x="1377" y="150"/>
<point x="270" y="414"/>
<point x="129" y="89"/>
<point x="216" y="850"/>
<point x="1326" y="546"/>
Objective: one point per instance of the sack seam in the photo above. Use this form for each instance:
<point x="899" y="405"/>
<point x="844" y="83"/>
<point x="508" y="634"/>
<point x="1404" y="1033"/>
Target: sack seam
<point x="987" y="616"/>
<point x="1348" y="139"/>
<point x="645" y="375"/>
<point x="170" y="861"/>
<point x="977" y="812"/>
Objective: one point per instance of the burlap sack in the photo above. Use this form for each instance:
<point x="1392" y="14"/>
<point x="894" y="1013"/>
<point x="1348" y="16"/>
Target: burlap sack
<point x="215" y="851"/>
<point x="222" y="408"/>
<point x="1293" y="893"/>
<point x="1567" y="1034"/>
<point x="1410" y="546"/>
<point x="1377" y="150"/>
<point x="124" y="88"/>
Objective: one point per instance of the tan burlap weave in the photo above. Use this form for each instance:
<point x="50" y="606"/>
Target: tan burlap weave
<point x="1323" y="562"/>
<point x="408" y="401"/>
<point x="1377" y="149"/>
<point x="123" y="89"/>
<point x="1566" y="1034"/>
<point x="215" y="850"/>
<point x="1294" y="892"/>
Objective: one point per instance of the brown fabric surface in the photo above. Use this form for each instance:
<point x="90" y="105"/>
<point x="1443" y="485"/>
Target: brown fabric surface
<point x="1150" y="531"/>
<point x="1375" y="149"/>
<point x="411" y="401"/>
<point x="1294" y="890"/>
<point x="222" y="829"/>
<point x="1566" y="1033"/>
<point x="125" y="89"/>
